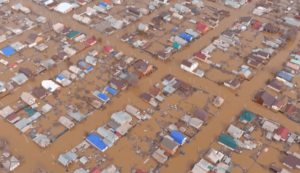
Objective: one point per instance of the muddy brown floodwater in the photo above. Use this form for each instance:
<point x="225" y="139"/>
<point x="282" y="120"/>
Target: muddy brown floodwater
<point x="123" y="154"/>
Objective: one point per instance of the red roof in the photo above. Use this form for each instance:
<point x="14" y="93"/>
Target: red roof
<point x="289" y="108"/>
<point x="297" y="16"/>
<point x="140" y="171"/>
<point x="155" y="91"/>
<point x="12" y="116"/>
<point x="118" y="134"/>
<point x="201" y="26"/>
<point x="107" y="49"/>
<point x="90" y="41"/>
<point x="257" y="25"/>
<point x="283" y="132"/>
<point x="200" y="56"/>
<point x="12" y="64"/>
<point x="95" y="170"/>
<point x="107" y="2"/>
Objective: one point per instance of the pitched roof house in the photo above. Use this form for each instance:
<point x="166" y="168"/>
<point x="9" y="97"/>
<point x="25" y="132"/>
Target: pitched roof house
<point x="274" y="85"/>
<point x="33" y="39"/>
<point x="201" y="114"/>
<point x="270" y="28"/>
<point x="283" y="133"/>
<point x="247" y="117"/>
<point x="28" y="98"/>
<point x="201" y="27"/>
<point x="143" y="67"/>
<point x="169" y="145"/>
<point x="108" y="49"/>
<point x="25" y="71"/>
<point x="292" y="161"/>
<point x="264" y="98"/>
<point x="117" y="84"/>
<point x="228" y="141"/>
<point x="233" y="84"/>
<point x="39" y="92"/>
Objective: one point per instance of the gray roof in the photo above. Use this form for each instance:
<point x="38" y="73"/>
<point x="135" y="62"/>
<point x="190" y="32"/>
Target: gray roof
<point x="66" y="158"/>
<point x="91" y="60"/>
<point x="48" y="63"/>
<point x="21" y="124"/>
<point x="11" y="163"/>
<point x="78" y="116"/>
<point x="6" y="111"/>
<point x="80" y="170"/>
<point x="17" y="6"/>
<point x="46" y="108"/>
<point x="113" y="124"/>
<point x="42" y="140"/>
<point x="19" y="78"/>
<point x="291" y="21"/>
<point x="34" y="117"/>
<point x="169" y="144"/>
<point x="121" y="117"/>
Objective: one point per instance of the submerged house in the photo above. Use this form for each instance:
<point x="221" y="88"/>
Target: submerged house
<point x="50" y="86"/>
<point x="28" y="98"/>
<point x="228" y="142"/>
<point x="247" y="117"/>
<point x="169" y="145"/>
<point x="19" y="79"/>
<point x="67" y="158"/>
<point x="265" y="99"/>
<point x="117" y="84"/>
<point x="143" y="67"/>
<point x="33" y="39"/>
<point x="178" y="137"/>
<point x="233" y="84"/>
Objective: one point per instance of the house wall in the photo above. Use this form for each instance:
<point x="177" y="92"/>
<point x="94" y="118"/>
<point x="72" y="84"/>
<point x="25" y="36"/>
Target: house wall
<point x="226" y="146"/>
<point x="169" y="151"/>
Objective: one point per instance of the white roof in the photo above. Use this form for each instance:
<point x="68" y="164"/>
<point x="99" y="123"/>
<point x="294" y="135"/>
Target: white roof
<point x="6" y="111"/>
<point x="121" y="117"/>
<point x="50" y="85"/>
<point x="214" y="155"/>
<point x="28" y="98"/>
<point x="63" y="7"/>
<point x="75" y="69"/>
<point x="269" y="126"/>
<point x="66" y="122"/>
<point x="235" y="131"/>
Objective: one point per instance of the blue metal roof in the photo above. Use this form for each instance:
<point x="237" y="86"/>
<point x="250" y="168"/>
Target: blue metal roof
<point x="285" y="76"/>
<point x="8" y="51"/>
<point x="60" y="77"/>
<point x="178" y="137"/>
<point x="111" y="91"/>
<point x="103" y="97"/>
<point x="175" y="29"/>
<point x="186" y="36"/>
<point x="103" y="4"/>
<point x="89" y="69"/>
<point x="97" y="142"/>
<point x="83" y="64"/>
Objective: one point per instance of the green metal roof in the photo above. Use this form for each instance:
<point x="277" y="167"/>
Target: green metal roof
<point x="295" y="62"/>
<point x="247" y="116"/>
<point x="228" y="141"/>
<point x="74" y="34"/>
<point x="177" y="46"/>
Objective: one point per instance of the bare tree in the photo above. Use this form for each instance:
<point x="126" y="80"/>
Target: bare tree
<point x="260" y="3"/>
<point x="291" y="34"/>
<point x="133" y="79"/>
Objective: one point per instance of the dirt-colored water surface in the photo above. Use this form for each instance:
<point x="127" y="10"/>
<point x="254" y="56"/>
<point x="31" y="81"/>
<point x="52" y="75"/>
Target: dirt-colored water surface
<point x="123" y="154"/>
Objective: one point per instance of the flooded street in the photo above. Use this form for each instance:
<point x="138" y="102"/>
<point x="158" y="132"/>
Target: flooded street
<point x="123" y="154"/>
